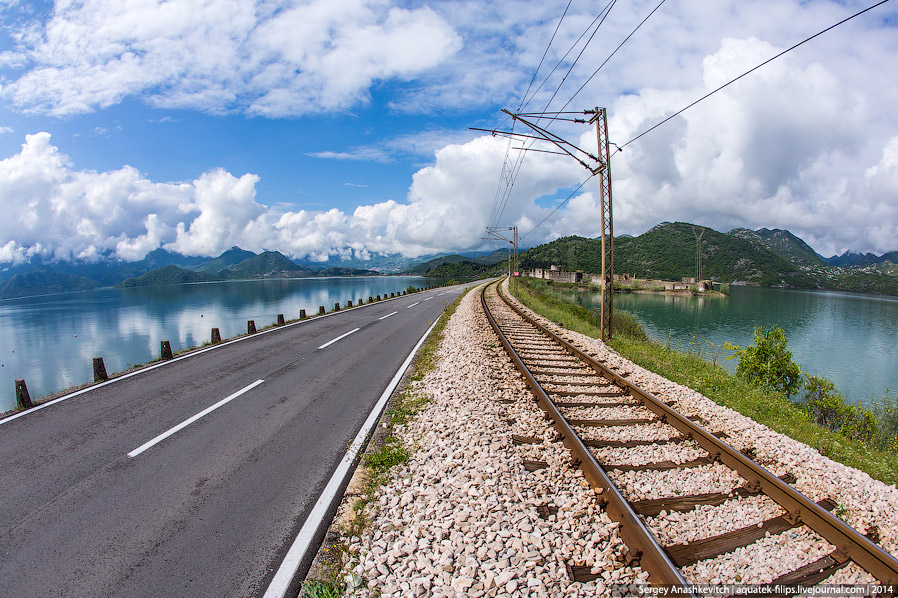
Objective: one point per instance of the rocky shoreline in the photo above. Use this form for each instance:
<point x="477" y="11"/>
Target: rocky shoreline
<point x="464" y="517"/>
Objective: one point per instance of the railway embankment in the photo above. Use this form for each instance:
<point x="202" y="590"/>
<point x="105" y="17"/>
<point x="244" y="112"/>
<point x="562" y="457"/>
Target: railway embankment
<point x="489" y="504"/>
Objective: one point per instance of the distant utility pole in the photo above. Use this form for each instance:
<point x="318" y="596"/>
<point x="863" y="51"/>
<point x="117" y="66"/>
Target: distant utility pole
<point x="495" y="233"/>
<point x="698" y="254"/>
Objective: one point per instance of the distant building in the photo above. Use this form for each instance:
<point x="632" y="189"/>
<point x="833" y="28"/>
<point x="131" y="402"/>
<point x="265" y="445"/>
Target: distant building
<point x="555" y="274"/>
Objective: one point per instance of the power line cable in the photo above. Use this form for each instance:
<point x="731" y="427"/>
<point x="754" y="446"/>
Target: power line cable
<point x="496" y="199"/>
<point x="580" y="55"/>
<point x="601" y="20"/>
<point x="515" y="170"/>
<point x="610" y="56"/>
<point x="549" y="45"/>
<point x="571" y="49"/>
<point x="751" y="70"/>
<point x="620" y="148"/>
<point x="558" y="207"/>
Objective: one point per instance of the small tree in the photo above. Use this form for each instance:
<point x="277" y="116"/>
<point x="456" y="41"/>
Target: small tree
<point x="768" y="363"/>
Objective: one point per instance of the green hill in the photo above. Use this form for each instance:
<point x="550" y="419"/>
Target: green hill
<point x="166" y="275"/>
<point x="668" y="252"/>
<point x="788" y="246"/>
<point x="485" y="260"/>
<point x="267" y="264"/>
<point x="763" y="257"/>
<point x="231" y="257"/>
<point x="44" y="282"/>
<point x="464" y="270"/>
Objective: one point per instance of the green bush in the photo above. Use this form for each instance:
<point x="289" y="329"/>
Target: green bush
<point x="625" y="324"/>
<point x="827" y="407"/>
<point x="768" y="363"/>
<point x="725" y="288"/>
<point x="886" y="412"/>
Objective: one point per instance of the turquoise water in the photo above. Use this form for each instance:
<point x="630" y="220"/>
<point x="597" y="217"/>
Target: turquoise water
<point x="849" y="338"/>
<point x="51" y="341"/>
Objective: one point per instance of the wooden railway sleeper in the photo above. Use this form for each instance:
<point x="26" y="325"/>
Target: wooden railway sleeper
<point x="882" y="565"/>
<point x="633" y="532"/>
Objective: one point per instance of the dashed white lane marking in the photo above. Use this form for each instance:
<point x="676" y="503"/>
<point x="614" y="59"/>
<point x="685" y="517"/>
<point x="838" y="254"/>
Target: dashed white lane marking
<point x="413" y="304"/>
<point x="388" y="315"/>
<point x="342" y="336"/>
<point x="190" y="420"/>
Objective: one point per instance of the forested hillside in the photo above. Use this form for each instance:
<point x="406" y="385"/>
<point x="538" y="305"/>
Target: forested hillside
<point x="764" y="257"/>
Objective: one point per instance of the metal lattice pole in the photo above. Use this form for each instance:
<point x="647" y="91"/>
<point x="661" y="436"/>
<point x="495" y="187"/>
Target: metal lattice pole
<point x="607" y="223"/>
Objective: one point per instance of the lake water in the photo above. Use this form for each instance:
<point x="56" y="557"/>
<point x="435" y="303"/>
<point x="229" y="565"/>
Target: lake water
<point x="849" y="338"/>
<point x="51" y="340"/>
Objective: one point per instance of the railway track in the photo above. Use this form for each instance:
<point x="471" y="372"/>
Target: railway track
<point x="623" y="437"/>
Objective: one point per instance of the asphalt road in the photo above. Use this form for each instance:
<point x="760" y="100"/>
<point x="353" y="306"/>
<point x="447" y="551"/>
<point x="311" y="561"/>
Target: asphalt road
<point x="89" y="508"/>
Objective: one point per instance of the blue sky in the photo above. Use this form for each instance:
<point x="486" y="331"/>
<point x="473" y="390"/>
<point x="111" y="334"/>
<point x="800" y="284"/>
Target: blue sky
<point x="340" y="127"/>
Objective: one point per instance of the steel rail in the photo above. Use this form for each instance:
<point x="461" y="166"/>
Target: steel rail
<point x="849" y="543"/>
<point x="642" y="544"/>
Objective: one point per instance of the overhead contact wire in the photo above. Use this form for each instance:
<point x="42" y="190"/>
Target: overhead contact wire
<point x="751" y="70"/>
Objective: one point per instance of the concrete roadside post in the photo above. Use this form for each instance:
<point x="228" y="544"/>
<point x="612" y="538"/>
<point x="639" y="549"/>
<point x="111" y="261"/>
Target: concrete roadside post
<point x="23" y="399"/>
<point x="166" y="350"/>
<point x="302" y="314"/>
<point x="250" y="326"/>
<point x="216" y="336"/>
<point x="281" y="320"/>
<point x="100" y="370"/>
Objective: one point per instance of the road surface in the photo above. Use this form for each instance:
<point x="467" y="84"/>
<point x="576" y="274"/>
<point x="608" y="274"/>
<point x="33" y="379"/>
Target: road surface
<point x="192" y="479"/>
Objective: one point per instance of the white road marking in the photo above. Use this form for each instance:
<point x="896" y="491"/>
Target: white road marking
<point x="429" y="298"/>
<point x="331" y="342"/>
<point x="388" y="315"/>
<point x="413" y="304"/>
<point x="281" y="582"/>
<point x="190" y="420"/>
<point x="187" y="355"/>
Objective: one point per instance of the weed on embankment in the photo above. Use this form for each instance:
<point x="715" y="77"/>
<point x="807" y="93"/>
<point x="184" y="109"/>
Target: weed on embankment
<point x="376" y="467"/>
<point x="873" y="452"/>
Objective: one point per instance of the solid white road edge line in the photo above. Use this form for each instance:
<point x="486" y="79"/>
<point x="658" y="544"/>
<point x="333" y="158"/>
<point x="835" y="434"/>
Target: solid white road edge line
<point x="332" y="341"/>
<point x="190" y="420"/>
<point x="285" y="573"/>
<point x="388" y="315"/>
<point x="413" y="304"/>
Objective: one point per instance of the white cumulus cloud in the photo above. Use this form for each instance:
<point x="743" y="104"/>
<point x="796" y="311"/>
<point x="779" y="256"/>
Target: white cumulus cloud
<point x="272" y="58"/>
<point x="790" y="146"/>
<point x="58" y="212"/>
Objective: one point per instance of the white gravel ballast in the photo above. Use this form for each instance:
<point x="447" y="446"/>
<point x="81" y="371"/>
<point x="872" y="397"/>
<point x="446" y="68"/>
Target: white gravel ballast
<point x="461" y="517"/>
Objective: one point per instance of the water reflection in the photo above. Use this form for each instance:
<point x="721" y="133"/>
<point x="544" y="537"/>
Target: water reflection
<point x="51" y="341"/>
<point x="848" y="338"/>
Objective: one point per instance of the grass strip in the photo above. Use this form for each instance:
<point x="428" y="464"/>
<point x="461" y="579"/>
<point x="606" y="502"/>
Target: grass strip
<point x="768" y="408"/>
<point x="377" y="464"/>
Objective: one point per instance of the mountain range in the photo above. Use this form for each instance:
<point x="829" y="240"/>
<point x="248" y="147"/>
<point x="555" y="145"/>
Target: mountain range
<point x="157" y="268"/>
<point x="769" y="257"/>
<point x="763" y="257"/>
